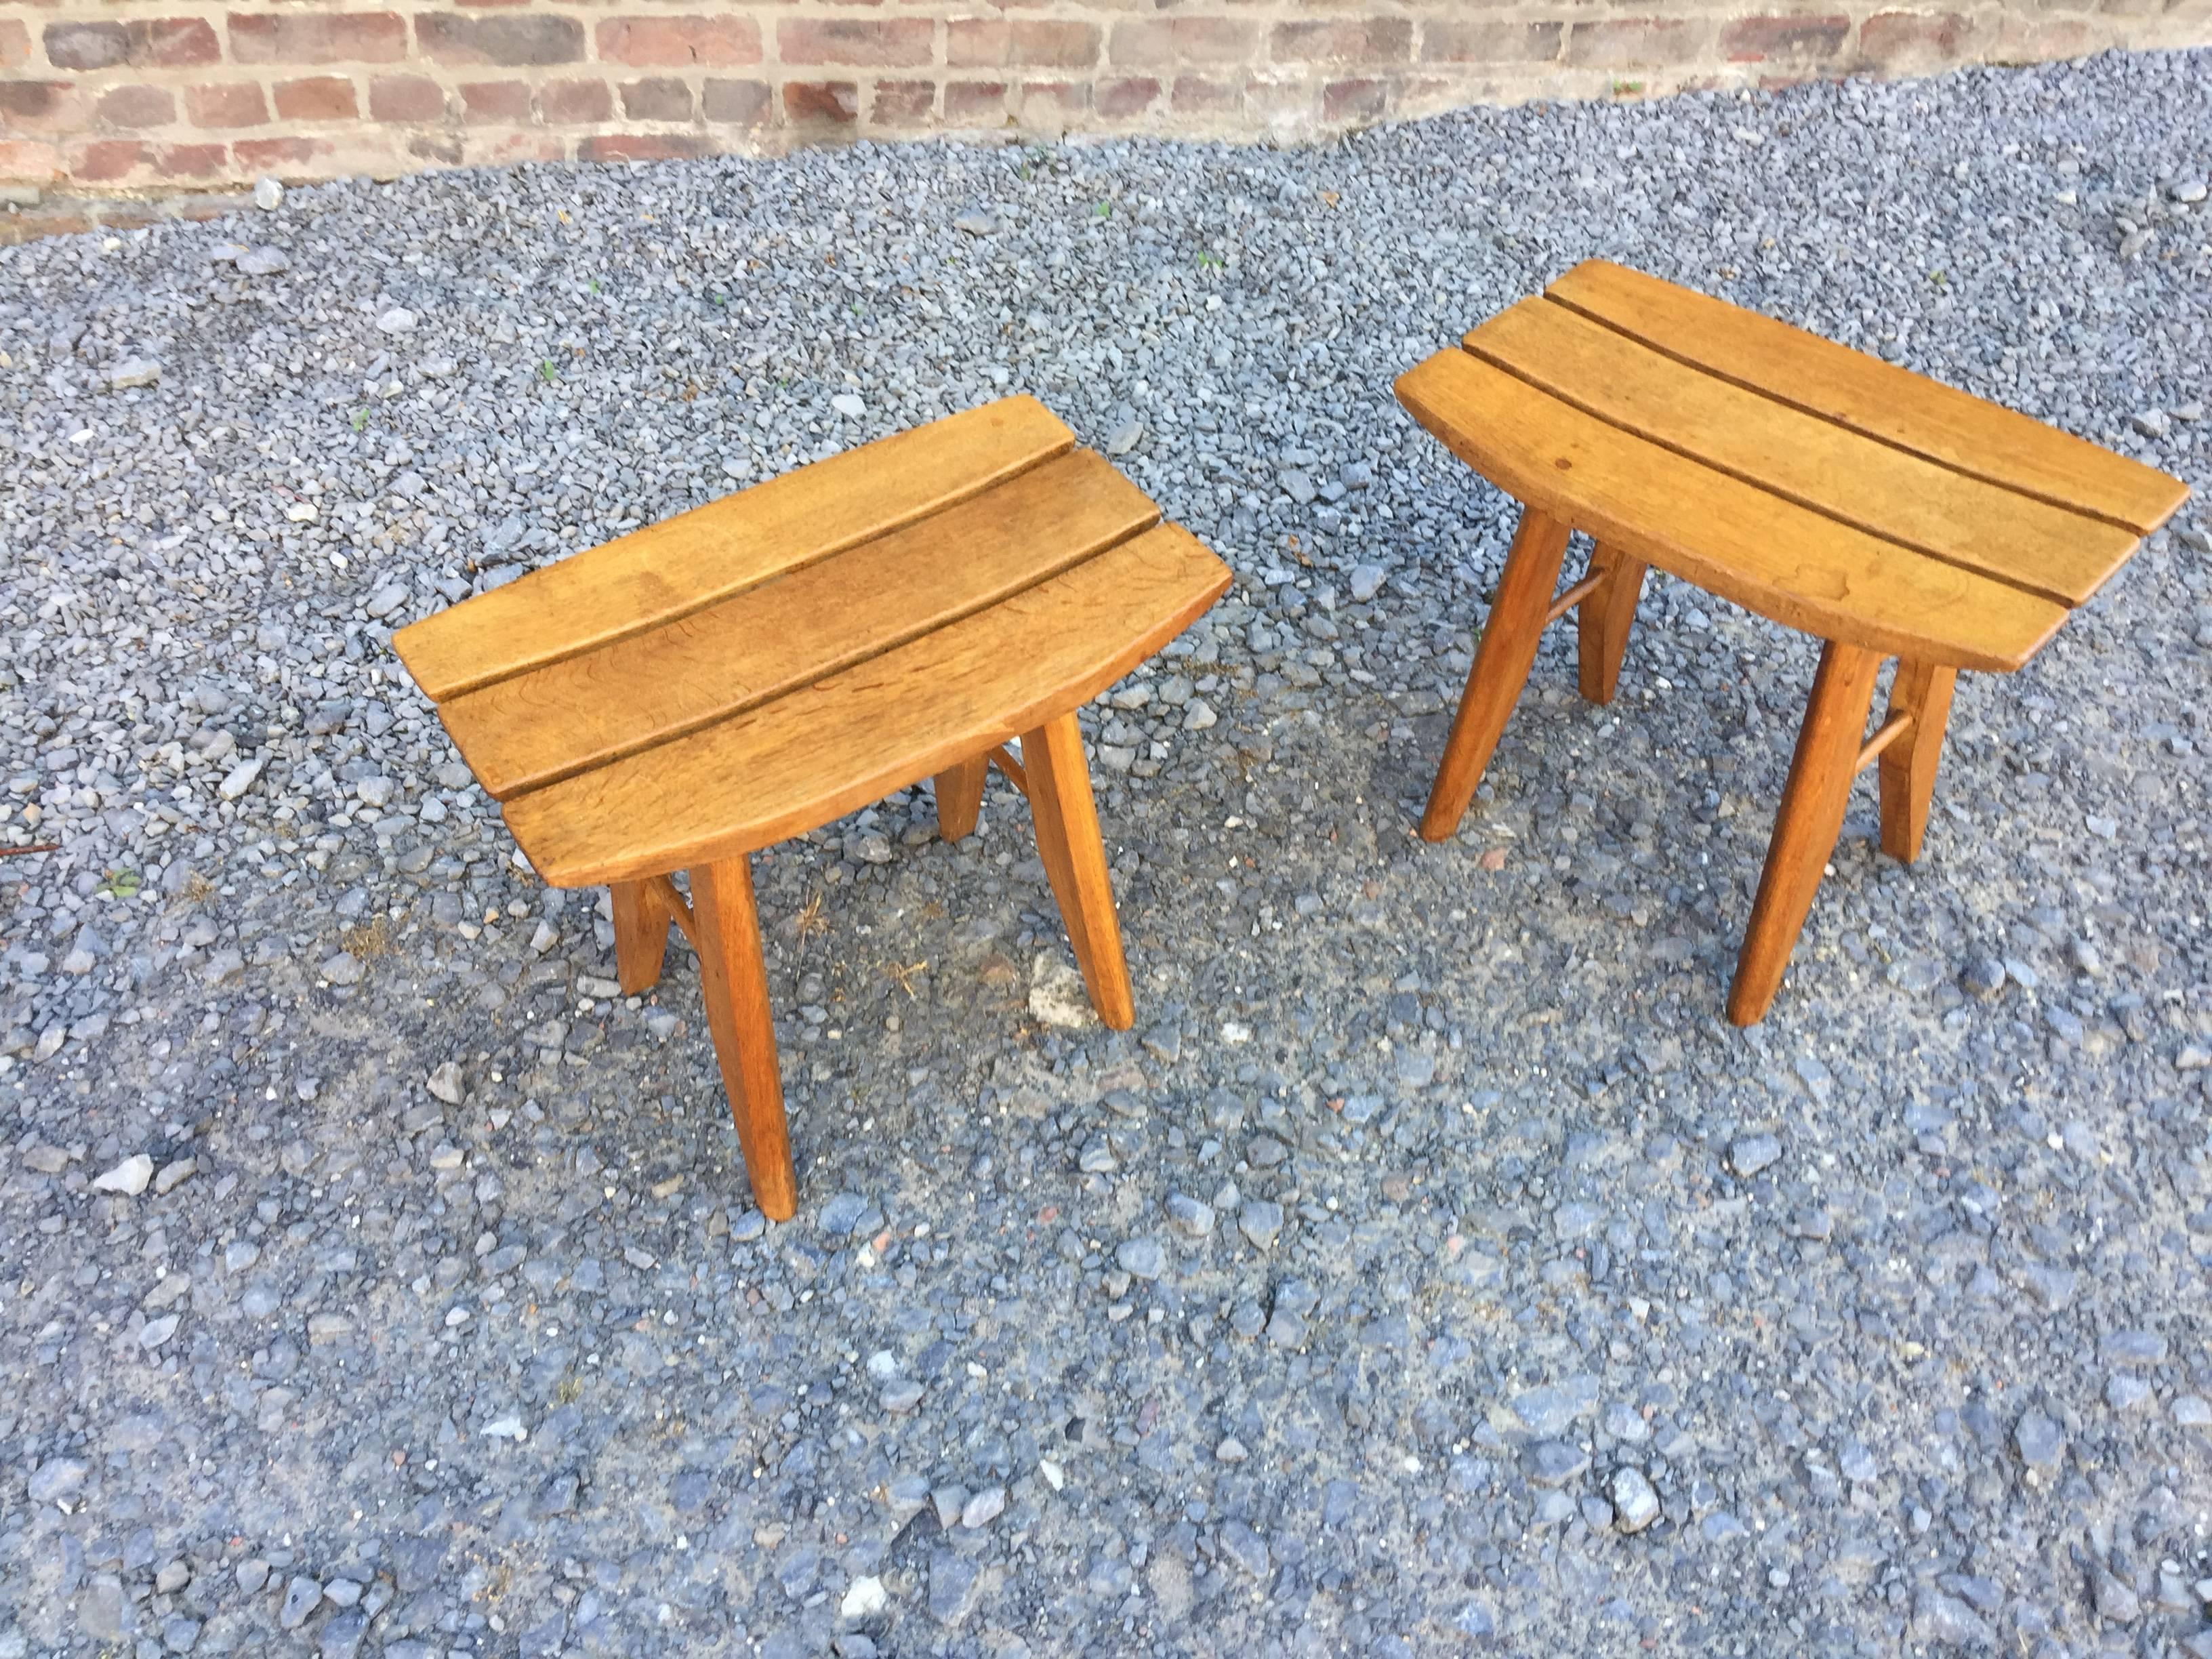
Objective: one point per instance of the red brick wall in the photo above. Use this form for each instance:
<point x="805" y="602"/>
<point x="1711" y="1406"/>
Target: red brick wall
<point x="158" y="95"/>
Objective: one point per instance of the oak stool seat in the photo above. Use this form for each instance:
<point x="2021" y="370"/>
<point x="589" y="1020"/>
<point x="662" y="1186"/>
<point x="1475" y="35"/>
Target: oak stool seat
<point x="1827" y="490"/>
<point x="765" y="664"/>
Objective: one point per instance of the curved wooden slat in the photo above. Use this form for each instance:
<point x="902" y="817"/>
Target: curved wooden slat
<point x="1816" y="463"/>
<point x="913" y="711"/>
<point x="1787" y="562"/>
<point x="666" y="570"/>
<point x="532" y="729"/>
<point x="1978" y="438"/>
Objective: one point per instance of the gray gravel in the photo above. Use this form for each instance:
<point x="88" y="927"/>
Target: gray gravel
<point x="1431" y="1267"/>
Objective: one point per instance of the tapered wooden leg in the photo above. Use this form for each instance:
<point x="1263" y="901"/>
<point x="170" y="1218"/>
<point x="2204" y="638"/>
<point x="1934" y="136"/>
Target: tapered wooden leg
<point x="960" y="798"/>
<point x="1806" y="827"/>
<point x="1066" y="819"/>
<point x="1908" y="766"/>
<point x="640" y="935"/>
<point x="1602" y="622"/>
<point x="1502" y="662"/>
<point x="733" y="981"/>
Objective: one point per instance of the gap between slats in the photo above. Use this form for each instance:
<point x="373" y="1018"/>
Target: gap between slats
<point x="1855" y="430"/>
<point x="830" y="665"/>
<point x="1658" y="440"/>
<point x="1064" y="444"/>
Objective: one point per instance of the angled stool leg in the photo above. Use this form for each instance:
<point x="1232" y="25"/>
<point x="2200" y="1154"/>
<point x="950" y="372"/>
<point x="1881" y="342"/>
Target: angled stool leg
<point x="1922" y="690"/>
<point x="1502" y="661"/>
<point x="1074" y="856"/>
<point x="1805" y="829"/>
<point x="734" y="981"/>
<point x="1602" y="622"/>
<point x="640" y="935"/>
<point x="960" y="798"/>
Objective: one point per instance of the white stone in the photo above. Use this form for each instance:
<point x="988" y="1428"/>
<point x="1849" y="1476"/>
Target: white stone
<point x="131" y="1177"/>
<point x="241" y="777"/>
<point x="397" y="320"/>
<point x="1057" y="996"/>
<point x="267" y="194"/>
<point x="865" y="1598"/>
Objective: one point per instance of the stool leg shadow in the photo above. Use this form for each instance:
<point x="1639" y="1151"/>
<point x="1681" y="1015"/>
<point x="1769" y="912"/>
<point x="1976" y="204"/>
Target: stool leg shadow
<point x="1806" y="827"/>
<point x="960" y="798"/>
<point x="1502" y="662"/>
<point x="1602" y="622"/>
<point x="734" y="983"/>
<point x="1066" y="819"/>
<point x="1923" y="691"/>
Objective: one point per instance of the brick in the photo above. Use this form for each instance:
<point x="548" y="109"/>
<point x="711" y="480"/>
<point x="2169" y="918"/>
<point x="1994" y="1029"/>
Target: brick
<point x="14" y="44"/>
<point x="516" y="40"/>
<point x="444" y="148"/>
<point x="1182" y="42"/>
<point x="518" y="144"/>
<point x="16" y="228"/>
<point x="1343" y="40"/>
<point x="309" y="37"/>
<point x="504" y="101"/>
<point x="1024" y="43"/>
<point x="41" y="107"/>
<point x="658" y="98"/>
<point x="575" y="103"/>
<point x="229" y="104"/>
<point x="708" y="42"/>
<point x="28" y="159"/>
<point x="1893" y="40"/>
<point x="104" y="161"/>
<point x="144" y="43"/>
<point x="821" y="103"/>
<point x="976" y="103"/>
<point x="1126" y="98"/>
<point x="1052" y="104"/>
<point x="399" y="98"/>
<point x="1755" y="40"/>
<point x="976" y="42"/>
<point x="737" y="103"/>
<point x="1194" y="94"/>
<point x="293" y="157"/>
<point x="1484" y="41"/>
<point x="876" y="44"/>
<point x="1354" y="101"/>
<point x="903" y="103"/>
<point x="87" y="45"/>
<point x="136" y="106"/>
<point x="2025" y="40"/>
<point x="315" y="98"/>
<point x="642" y="147"/>
<point x="192" y="160"/>
<point x="1635" y="42"/>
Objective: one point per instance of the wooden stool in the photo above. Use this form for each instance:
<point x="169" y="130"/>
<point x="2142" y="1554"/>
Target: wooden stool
<point x="1823" y="488"/>
<point x="764" y="664"/>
